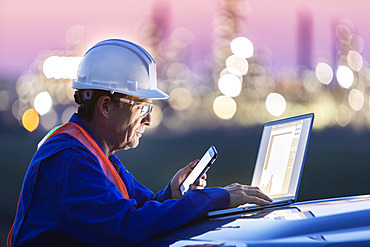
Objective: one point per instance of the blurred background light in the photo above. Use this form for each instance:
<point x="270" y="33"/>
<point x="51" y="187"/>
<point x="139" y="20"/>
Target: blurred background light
<point x="356" y="99"/>
<point x="67" y="113"/>
<point x="30" y="120"/>
<point x="16" y="110"/>
<point x="69" y="91"/>
<point x="180" y="99"/>
<point x="233" y="71"/>
<point x="275" y="104"/>
<point x="224" y="107"/>
<point x="230" y="85"/>
<point x="355" y="60"/>
<point x="193" y="73"/>
<point x="50" y="66"/>
<point x="75" y="34"/>
<point x="4" y="100"/>
<point x="343" y="115"/>
<point x="49" y="121"/>
<point x="42" y="103"/>
<point x="325" y="110"/>
<point x="157" y="116"/>
<point x="238" y="63"/>
<point x="320" y="115"/>
<point x="242" y="47"/>
<point x="345" y="76"/>
<point x="324" y="73"/>
<point x="59" y="67"/>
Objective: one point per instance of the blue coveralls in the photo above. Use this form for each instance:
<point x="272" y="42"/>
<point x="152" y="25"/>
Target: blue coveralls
<point x="66" y="200"/>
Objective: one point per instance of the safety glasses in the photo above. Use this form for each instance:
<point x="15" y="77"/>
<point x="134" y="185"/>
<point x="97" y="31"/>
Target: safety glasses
<point x="145" y="108"/>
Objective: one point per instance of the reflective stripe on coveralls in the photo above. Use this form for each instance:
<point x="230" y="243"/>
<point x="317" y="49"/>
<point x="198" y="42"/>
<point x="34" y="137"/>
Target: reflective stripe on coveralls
<point x="84" y="137"/>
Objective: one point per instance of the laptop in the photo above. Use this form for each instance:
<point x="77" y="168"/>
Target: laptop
<point x="280" y="160"/>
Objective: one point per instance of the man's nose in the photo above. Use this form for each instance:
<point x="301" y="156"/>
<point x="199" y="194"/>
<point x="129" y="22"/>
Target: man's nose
<point x="147" y="120"/>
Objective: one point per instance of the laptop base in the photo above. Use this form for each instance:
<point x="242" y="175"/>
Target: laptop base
<point x="248" y="208"/>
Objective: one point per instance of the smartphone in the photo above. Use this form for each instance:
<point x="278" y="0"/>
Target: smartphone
<point x="200" y="168"/>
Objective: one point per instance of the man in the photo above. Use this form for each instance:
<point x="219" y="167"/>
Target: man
<point x="76" y="192"/>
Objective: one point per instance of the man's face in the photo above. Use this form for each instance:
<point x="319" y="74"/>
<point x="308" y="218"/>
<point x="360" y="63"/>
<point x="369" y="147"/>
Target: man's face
<point x="127" y="124"/>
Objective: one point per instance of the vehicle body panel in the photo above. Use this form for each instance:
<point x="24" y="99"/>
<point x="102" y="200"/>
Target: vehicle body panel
<point x="338" y="221"/>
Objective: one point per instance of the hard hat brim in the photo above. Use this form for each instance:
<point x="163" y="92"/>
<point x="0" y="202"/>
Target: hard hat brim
<point x="141" y="93"/>
<point x="148" y="94"/>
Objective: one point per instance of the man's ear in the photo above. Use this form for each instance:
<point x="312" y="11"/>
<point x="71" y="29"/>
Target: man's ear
<point x="103" y="106"/>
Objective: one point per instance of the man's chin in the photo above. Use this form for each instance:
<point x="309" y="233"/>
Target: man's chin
<point x="132" y="144"/>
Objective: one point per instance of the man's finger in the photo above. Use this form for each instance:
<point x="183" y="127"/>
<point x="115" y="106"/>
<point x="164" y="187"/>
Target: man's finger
<point x="258" y="201"/>
<point x="255" y="191"/>
<point x="192" y="164"/>
<point x="201" y="182"/>
<point x="193" y="187"/>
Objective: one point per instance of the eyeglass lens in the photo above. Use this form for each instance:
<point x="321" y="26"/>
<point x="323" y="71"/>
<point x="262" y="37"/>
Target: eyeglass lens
<point x="145" y="109"/>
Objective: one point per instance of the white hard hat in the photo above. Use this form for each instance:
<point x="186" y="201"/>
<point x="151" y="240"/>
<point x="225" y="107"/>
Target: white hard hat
<point x="119" y="66"/>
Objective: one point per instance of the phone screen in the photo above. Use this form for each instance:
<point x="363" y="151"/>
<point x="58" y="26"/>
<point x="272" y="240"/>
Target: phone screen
<point x="199" y="169"/>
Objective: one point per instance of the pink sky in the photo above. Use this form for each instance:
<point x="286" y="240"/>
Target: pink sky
<point x="28" y="28"/>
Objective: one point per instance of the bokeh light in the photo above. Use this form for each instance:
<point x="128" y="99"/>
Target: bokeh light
<point x="4" y="100"/>
<point x="180" y="99"/>
<point x="238" y="63"/>
<point x="324" y="108"/>
<point x="30" y="120"/>
<point x="345" y="76"/>
<point x="355" y="60"/>
<point x="49" y="66"/>
<point x="59" y="67"/>
<point x="157" y="116"/>
<point x="75" y="34"/>
<point x="242" y="47"/>
<point x="324" y="73"/>
<point x="230" y="85"/>
<point x="275" y="104"/>
<point x="343" y="115"/>
<point x="233" y="71"/>
<point x="356" y="99"/>
<point x="42" y="103"/>
<point x="49" y="121"/>
<point x="320" y="116"/>
<point x="224" y="107"/>
<point x="67" y="113"/>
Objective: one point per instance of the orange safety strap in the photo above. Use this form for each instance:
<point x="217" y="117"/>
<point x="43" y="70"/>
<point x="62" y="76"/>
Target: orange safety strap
<point x="84" y="137"/>
<point x="10" y="235"/>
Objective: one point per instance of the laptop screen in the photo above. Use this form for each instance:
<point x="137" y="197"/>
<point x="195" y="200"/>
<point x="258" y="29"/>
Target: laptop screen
<point x="281" y="156"/>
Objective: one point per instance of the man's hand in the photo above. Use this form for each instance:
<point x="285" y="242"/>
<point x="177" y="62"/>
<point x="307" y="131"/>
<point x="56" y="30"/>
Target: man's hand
<point x="242" y="194"/>
<point x="180" y="177"/>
